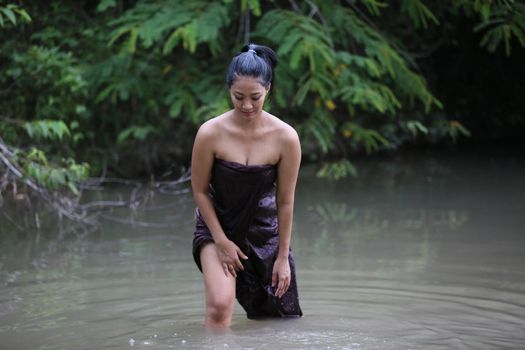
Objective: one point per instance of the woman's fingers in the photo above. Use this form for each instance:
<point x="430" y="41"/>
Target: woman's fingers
<point x="238" y="265"/>
<point x="229" y="255"/>
<point x="238" y="262"/>
<point x="229" y="269"/>
<point x="282" y="287"/>
<point x="232" y="271"/>
<point x="281" y="276"/>
<point x="241" y="254"/>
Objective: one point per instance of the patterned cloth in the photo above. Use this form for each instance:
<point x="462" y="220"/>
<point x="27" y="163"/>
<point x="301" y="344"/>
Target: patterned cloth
<point x="244" y="200"/>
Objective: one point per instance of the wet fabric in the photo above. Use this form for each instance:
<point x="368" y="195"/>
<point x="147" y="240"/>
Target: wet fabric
<point x="244" y="200"/>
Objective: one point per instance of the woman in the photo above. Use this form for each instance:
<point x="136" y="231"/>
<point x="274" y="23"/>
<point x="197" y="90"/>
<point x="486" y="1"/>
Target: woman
<point x="244" y="168"/>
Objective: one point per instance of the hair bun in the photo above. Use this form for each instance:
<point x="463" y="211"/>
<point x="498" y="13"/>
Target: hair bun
<point x="262" y="51"/>
<point x="253" y="60"/>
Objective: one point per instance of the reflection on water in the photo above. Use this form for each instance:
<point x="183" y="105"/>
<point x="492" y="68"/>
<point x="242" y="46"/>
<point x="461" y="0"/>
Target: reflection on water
<point x="419" y="252"/>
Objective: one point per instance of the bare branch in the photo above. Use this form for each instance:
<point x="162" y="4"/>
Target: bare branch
<point x="66" y="205"/>
<point x="315" y="11"/>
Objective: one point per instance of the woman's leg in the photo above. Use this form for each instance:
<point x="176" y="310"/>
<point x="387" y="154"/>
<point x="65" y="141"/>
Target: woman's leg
<point x="219" y="289"/>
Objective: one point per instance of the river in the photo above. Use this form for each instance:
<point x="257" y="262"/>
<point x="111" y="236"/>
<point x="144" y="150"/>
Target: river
<point x="424" y="250"/>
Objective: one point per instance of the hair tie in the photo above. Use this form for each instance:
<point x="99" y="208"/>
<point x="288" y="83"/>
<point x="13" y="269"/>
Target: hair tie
<point x="252" y="51"/>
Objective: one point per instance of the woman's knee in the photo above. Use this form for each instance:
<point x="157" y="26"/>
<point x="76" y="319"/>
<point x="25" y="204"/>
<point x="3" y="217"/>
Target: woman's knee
<point x="220" y="289"/>
<point x="220" y="307"/>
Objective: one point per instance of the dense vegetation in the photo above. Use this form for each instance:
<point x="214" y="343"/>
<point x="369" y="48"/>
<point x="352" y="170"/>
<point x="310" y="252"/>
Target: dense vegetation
<point x="120" y="86"/>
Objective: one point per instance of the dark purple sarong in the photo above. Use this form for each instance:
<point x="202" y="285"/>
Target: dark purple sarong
<point x="244" y="200"/>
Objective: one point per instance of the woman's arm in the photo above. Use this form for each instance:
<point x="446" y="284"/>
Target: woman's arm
<point x="201" y="163"/>
<point x="288" y="171"/>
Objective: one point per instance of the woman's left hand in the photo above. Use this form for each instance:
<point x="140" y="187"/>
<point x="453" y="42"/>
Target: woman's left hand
<point x="281" y="276"/>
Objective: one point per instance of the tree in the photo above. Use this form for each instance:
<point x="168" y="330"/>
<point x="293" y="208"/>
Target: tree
<point x="123" y="85"/>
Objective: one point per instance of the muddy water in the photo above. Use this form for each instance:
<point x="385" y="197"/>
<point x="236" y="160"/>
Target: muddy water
<point x="422" y="251"/>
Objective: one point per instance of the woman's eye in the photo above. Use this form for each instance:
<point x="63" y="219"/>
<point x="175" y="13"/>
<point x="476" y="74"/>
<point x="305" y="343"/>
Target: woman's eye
<point x="238" y="98"/>
<point x="256" y="98"/>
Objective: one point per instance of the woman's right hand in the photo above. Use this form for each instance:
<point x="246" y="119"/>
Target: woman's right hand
<point x="229" y="254"/>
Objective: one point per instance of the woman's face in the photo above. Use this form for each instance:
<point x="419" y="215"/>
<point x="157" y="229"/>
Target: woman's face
<point x="248" y="94"/>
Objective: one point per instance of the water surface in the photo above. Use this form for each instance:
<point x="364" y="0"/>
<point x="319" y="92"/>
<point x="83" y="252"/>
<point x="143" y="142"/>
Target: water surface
<point x="421" y="251"/>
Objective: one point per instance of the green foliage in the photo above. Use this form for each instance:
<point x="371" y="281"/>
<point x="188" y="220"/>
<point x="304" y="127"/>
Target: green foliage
<point x="106" y="4"/>
<point x="370" y="138"/>
<point x="171" y="23"/>
<point x="66" y="174"/>
<point x="504" y="22"/>
<point x="47" y="129"/>
<point x="452" y="129"/>
<point x="139" y="133"/>
<point x="349" y="70"/>
<point x="53" y="85"/>
<point x="117" y="80"/>
<point x="10" y="12"/>
<point x="415" y="127"/>
<point x="320" y="131"/>
<point x="501" y="21"/>
<point x="253" y="6"/>
<point x="303" y="38"/>
<point x="374" y="6"/>
<point x="419" y="13"/>
<point x="44" y="84"/>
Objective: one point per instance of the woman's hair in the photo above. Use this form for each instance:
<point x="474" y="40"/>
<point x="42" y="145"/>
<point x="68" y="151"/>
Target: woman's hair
<point x="254" y="61"/>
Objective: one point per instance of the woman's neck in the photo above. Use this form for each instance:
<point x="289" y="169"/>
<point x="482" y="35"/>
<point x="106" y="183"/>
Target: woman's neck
<point x="249" y="124"/>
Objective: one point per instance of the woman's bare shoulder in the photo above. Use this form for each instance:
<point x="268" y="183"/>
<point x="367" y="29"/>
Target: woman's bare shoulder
<point x="289" y="145"/>
<point x="285" y="131"/>
<point x="213" y="127"/>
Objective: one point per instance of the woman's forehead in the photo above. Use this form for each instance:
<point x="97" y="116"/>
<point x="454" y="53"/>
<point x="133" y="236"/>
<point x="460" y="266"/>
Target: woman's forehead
<point x="247" y="84"/>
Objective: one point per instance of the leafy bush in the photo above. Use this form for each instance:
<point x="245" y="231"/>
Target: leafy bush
<point x="124" y="85"/>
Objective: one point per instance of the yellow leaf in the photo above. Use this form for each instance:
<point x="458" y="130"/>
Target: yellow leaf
<point x="330" y="105"/>
<point x="167" y="69"/>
